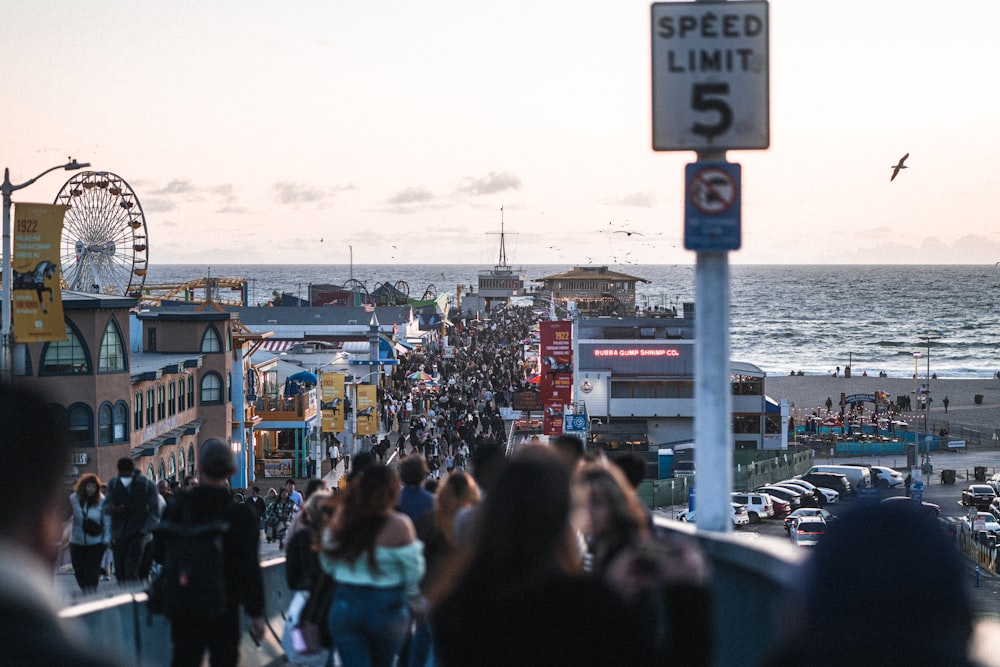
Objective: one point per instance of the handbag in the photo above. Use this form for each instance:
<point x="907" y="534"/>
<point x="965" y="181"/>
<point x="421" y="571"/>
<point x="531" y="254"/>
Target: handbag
<point x="294" y="644"/>
<point x="91" y="527"/>
<point x="312" y="629"/>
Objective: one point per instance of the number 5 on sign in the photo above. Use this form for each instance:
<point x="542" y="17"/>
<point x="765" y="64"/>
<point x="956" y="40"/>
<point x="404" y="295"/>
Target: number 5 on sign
<point x="710" y="76"/>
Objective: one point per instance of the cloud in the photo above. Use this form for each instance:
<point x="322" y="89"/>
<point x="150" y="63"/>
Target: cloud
<point x="178" y="186"/>
<point x="492" y="183"/>
<point x="157" y="205"/>
<point x="297" y="193"/>
<point x="417" y="195"/>
<point x="636" y="200"/>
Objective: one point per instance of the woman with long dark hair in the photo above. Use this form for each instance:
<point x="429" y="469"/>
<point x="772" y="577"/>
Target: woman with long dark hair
<point x="91" y="532"/>
<point x="279" y="516"/>
<point x="521" y="597"/>
<point x="373" y="554"/>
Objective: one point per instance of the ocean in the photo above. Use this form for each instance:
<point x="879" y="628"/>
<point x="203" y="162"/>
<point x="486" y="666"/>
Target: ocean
<point x="809" y="318"/>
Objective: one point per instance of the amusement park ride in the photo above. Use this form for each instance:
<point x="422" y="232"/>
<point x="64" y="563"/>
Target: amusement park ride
<point x="104" y="250"/>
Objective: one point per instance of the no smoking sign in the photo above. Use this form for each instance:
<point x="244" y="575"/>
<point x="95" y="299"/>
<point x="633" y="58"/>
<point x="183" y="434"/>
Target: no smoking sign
<point x="712" y="211"/>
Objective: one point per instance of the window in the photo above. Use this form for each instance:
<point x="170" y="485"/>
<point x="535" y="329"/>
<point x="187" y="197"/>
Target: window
<point x="211" y="342"/>
<point x="111" y="358"/>
<point x="161" y="401"/>
<point x="172" y="466"/>
<point x="190" y="391"/>
<point x="180" y="459"/>
<point x="150" y="405"/>
<point x="162" y="471"/>
<point x="65" y="357"/>
<point x="746" y="423"/>
<point x="190" y="460"/>
<point x="137" y="411"/>
<point x="211" y="389"/>
<point x="119" y="423"/>
<point x="151" y="339"/>
<point x="104" y="425"/>
<point x="171" y="399"/>
<point x="180" y="396"/>
<point x="747" y="385"/>
<point x="81" y="425"/>
<point x="150" y="474"/>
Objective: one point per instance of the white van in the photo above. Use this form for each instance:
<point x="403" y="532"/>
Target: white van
<point x="858" y="476"/>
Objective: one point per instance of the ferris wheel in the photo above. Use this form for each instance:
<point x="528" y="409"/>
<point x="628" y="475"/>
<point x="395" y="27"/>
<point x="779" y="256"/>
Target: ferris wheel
<point x="103" y="248"/>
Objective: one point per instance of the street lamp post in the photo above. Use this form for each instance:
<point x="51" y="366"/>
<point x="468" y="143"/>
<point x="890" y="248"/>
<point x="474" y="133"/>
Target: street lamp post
<point x="926" y="339"/>
<point x="6" y="326"/>
<point x="916" y="401"/>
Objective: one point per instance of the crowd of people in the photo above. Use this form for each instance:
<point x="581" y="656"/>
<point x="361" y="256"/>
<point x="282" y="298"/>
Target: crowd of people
<point x="452" y="554"/>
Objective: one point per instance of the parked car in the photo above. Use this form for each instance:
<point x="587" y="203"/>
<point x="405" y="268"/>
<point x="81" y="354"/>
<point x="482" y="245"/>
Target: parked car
<point x="829" y="495"/>
<point x="990" y="524"/>
<point x="759" y="505"/>
<point x="807" y="489"/>
<point x="808" y="497"/>
<point x="807" y="531"/>
<point x="740" y="516"/>
<point x="994" y="481"/>
<point x="793" y="498"/>
<point x="994" y="508"/>
<point x="979" y="496"/>
<point x="830" y="480"/>
<point x="782" y="508"/>
<point x="930" y="508"/>
<point x="887" y="477"/>
<point x="860" y="477"/>
<point x="793" y="518"/>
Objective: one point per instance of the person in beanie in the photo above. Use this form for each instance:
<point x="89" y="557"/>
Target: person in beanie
<point x="207" y="502"/>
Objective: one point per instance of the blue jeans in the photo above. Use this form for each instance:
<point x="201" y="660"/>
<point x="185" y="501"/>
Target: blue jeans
<point x="369" y="624"/>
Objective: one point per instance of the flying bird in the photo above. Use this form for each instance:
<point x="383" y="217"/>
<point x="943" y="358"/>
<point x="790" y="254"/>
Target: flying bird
<point x="625" y="231"/>
<point x="899" y="165"/>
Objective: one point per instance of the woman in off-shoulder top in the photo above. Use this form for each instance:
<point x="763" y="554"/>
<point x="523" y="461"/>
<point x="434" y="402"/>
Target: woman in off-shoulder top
<point x="377" y="561"/>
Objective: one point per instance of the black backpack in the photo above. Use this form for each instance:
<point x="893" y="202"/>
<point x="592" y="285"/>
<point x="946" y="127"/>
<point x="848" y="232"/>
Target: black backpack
<point x="191" y="582"/>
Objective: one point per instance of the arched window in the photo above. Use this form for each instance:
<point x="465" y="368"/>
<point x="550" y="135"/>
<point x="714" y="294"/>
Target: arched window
<point x="211" y="342"/>
<point x="190" y="460"/>
<point x="211" y="389"/>
<point x="137" y="411"/>
<point x="161" y="471"/>
<point x="104" y="416"/>
<point x="119" y="425"/>
<point x="66" y="357"/>
<point x="172" y="466"/>
<point x="150" y="406"/>
<point x="161" y="401"/>
<point x="180" y="459"/>
<point x="81" y="425"/>
<point x="150" y="474"/>
<point x="112" y="355"/>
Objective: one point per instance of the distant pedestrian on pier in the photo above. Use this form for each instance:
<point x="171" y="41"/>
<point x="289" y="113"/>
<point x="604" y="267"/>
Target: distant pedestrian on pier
<point x="945" y="402"/>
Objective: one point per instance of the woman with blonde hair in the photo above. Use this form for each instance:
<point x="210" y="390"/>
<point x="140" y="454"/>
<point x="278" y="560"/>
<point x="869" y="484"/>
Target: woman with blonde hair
<point x="91" y="532"/>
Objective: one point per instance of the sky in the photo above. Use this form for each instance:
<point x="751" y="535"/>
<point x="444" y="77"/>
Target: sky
<point x="288" y="132"/>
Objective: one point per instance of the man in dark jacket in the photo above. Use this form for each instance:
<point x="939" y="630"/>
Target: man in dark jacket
<point x="134" y="506"/>
<point x="34" y="448"/>
<point x="211" y="501"/>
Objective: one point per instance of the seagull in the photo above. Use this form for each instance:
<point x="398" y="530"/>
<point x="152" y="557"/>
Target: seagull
<point x="899" y="165"/>
<point x="628" y="233"/>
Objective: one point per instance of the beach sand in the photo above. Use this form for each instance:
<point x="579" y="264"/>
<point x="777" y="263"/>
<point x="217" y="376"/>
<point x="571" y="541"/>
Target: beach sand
<point x="809" y="392"/>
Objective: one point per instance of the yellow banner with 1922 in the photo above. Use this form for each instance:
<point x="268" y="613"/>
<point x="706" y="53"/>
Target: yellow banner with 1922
<point x="331" y="402"/>
<point x="37" y="310"/>
<point x="367" y="409"/>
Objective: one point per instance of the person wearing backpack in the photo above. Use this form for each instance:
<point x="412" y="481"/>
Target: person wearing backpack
<point x="206" y="617"/>
<point x="134" y="506"/>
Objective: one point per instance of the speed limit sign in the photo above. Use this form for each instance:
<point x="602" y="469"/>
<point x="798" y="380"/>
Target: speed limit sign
<point x="710" y="76"/>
